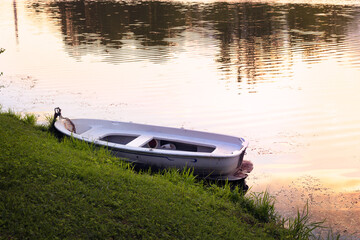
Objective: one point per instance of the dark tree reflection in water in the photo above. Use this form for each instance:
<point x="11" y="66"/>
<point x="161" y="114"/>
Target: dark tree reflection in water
<point x="254" y="38"/>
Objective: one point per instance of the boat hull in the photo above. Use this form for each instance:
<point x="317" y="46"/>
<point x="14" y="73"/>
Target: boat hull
<point x="202" y="165"/>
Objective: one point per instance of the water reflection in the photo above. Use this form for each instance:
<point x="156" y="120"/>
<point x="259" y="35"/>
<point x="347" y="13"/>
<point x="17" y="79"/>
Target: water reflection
<point x="103" y="27"/>
<point x="255" y="40"/>
<point x="16" y="22"/>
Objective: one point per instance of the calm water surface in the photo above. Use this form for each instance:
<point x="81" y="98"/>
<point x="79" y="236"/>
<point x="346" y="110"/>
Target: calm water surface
<point x="284" y="76"/>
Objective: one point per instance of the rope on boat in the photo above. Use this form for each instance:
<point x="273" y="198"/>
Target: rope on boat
<point x="68" y="124"/>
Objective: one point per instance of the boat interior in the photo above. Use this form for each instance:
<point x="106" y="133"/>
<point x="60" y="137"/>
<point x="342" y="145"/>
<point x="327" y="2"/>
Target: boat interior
<point x="156" y="143"/>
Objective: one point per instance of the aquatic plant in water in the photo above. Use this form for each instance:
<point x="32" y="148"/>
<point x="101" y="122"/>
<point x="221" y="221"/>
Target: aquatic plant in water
<point x="1" y="51"/>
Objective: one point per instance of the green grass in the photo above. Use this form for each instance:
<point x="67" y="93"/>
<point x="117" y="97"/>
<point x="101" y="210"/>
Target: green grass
<point x="67" y="189"/>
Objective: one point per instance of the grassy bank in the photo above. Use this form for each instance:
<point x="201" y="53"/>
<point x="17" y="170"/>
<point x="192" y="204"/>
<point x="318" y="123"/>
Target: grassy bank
<point x="51" y="188"/>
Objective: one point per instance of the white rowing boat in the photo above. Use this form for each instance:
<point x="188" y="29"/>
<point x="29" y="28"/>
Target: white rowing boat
<point x="209" y="154"/>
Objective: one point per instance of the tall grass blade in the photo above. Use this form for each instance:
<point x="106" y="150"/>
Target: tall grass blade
<point x="301" y="226"/>
<point x="29" y="119"/>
